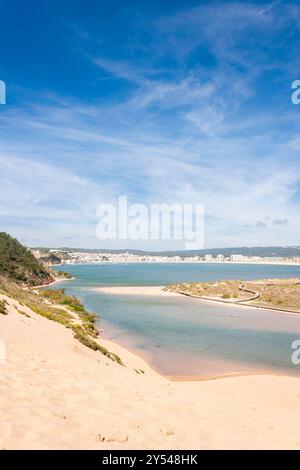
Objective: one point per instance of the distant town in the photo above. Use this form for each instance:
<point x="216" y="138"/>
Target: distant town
<point x="60" y="256"/>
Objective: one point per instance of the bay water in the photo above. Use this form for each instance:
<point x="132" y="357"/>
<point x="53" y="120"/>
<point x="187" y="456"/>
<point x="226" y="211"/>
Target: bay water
<point x="185" y="337"/>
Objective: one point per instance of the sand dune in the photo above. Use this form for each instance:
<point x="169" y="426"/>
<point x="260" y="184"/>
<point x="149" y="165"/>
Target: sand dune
<point x="57" y="394"/>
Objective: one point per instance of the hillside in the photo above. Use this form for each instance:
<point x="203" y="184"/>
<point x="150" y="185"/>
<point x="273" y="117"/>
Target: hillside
<point x="18" y="264"/>
<point x="20" y="272"/>
<point x="262" y="251"/>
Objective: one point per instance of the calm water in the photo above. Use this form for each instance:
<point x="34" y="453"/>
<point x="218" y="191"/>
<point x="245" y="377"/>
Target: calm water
<point x="181" y="336"/>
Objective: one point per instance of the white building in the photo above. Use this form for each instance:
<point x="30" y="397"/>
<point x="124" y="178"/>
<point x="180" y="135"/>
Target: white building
<point x="236" y="258"/>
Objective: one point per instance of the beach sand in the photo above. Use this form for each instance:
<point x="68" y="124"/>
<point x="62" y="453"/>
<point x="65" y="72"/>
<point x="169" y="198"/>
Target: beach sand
<point x="136" y="290"/>
<point x="57" y="394"/>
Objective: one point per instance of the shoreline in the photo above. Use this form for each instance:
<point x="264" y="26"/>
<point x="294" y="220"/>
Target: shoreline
<point x="56" y="281"/>
<point x="58" y="394"/>
<point x="149" y="291"/>
<point x="122" y="349"/>
<point x="135" y="354"/>
<point x="243" y="263"/>
<point x="158" y="290"/>
<point x="240" y="303"/>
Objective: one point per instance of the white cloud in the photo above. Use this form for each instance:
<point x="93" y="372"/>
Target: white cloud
<point x="186" y="138"/>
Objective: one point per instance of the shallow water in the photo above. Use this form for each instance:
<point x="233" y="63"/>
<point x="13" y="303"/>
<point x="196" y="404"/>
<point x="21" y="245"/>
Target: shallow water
<point x="187" y="337"/>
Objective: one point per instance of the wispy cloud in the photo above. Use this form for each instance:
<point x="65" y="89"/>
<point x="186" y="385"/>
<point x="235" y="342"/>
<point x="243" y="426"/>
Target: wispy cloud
<point x="193" y="128"/>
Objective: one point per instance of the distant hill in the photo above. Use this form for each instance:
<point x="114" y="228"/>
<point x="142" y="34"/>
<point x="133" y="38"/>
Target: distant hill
<point x="18" y="264"/>
<point x="263" y="251"/>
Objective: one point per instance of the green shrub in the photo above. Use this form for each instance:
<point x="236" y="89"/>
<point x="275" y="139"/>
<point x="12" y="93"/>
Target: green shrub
<point x="71" y="302"/>
<point x="226" y="296"/>
<point x="18" y="263"/>
<point x="83" y="331"/>
<point x="62" y="274"/>
<point x="90" y="343"/>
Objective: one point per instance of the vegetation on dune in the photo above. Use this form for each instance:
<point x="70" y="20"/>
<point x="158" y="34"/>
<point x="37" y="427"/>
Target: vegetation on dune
<point x="272" y="293"/>
<point x="20" y="271"/>
<point x="72" y="303"/>
<point x="18" y="263"/>
<point x="61" y="308"/>
<point x="34" y="301"/>
<point x="278" y="293"/>
<point x="21" y="312"/>
<point x="92" y="344"/>
<point x="218" y="289"/>
<point x="3" y="310"/>
<point x="226" y="295"/>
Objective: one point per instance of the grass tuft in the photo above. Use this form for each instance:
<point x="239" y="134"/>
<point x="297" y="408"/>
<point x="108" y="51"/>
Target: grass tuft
<point x="3" y="309"/>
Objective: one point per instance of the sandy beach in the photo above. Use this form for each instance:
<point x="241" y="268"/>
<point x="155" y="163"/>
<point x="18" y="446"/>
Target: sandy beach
<point x="57" y="394"/>
<point x="136" y="290"/>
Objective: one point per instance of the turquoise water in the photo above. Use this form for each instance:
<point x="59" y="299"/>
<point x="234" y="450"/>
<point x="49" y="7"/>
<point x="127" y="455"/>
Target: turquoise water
<point x="187" y="337"/>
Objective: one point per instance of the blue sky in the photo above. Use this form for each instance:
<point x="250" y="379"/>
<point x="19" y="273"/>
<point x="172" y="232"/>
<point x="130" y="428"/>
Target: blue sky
<point x="182" y="101"/>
